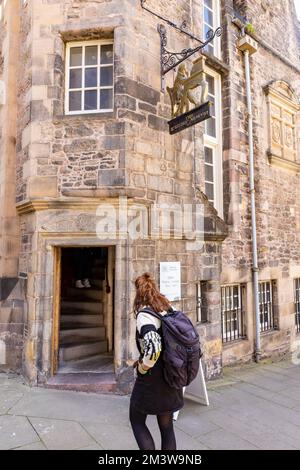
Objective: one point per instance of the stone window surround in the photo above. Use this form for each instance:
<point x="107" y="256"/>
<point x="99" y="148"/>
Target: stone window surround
<point x="101" y="30"/>
<point x="83" y="44"/>
<point x="287" y="101"/>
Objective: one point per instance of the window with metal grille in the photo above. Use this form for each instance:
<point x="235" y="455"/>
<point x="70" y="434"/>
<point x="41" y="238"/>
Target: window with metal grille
<point x="89" y="77"/>
<point x="233" y="327"/>
<point x="297" y="304"/>
<point x="201" y="302"/>
<point x="266" y="306"/>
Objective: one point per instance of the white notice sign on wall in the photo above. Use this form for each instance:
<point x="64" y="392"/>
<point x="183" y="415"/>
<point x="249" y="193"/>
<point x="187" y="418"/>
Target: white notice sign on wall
<point x="170" y="280"/>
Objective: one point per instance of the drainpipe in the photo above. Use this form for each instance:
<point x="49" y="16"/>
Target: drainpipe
<point x="249" y="46"/>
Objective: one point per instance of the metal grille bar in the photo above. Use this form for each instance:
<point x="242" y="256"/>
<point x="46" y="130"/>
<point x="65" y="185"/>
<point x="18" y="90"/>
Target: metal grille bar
<point x="297" y="305"/>
<point x="266" y="306"/>
<point x="201" y="303"/>
<point x="232" y="313"/>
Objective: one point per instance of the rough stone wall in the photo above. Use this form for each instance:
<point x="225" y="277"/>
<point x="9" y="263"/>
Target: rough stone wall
<point x="277" y="190"/>
<point x="55" y="149"/>
<point x="23" y="108"/>
<point x="130" y="152"/>
<point x="126" y="152"/>
<point x="11" y="288"/>
<point x="204" y="265"/>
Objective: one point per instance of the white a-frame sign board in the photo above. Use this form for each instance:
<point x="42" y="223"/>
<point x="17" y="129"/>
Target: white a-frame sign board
<point x="196" y="391"/>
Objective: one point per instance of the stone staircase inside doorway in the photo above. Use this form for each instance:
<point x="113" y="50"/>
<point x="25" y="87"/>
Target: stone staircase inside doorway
<point x="83" y="339"/>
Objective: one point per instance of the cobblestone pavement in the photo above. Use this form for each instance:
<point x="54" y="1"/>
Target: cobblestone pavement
<point x="253" y="407"/>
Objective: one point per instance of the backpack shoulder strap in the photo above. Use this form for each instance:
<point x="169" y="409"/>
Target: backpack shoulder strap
<point x="154" y="314"/>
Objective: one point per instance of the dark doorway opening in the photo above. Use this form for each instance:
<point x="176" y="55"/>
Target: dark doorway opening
<point x="86" y="342"/>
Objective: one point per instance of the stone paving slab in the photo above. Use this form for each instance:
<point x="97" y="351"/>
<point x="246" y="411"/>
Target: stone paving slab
<point x="77" y="406"/>
<point x="184" y="440"/>
<point x="15" y="431"/>
<point x="222" y="439"/>
<point x="34" y="446"/>
<point x="111" y="436"/>
<point x="61" y="435"/>
<point x="8" y="399"/>
<point x="251" y="407"/>
<point x="92" y="447"/>
<point x="256" y="432"/>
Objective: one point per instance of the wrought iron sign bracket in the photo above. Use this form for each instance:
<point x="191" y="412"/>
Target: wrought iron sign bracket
<point x="168" y="59"/>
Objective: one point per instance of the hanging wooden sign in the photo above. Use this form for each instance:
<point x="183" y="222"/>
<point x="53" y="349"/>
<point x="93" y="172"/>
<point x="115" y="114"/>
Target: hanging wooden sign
<point x="201" y="113"/>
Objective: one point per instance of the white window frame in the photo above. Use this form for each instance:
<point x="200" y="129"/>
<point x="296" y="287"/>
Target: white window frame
<point x="216" y="11"/>
<point x="83" y="44"/>
<point x="216" y="144"/>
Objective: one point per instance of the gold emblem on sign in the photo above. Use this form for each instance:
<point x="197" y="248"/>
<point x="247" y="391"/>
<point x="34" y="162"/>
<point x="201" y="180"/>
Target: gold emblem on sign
<point x="186" y="86"/>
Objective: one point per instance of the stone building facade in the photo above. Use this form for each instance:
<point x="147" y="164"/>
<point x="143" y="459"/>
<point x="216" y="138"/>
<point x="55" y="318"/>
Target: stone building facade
<point x="83" y="125"/>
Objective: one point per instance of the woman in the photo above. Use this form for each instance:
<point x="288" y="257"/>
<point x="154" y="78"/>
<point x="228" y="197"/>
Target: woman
<point x="151" y="394"/>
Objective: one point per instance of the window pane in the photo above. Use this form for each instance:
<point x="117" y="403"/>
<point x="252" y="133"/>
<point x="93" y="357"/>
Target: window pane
<point x="210" y="49"/>
<point x="75" y="56"/>
<point x="90" y="77"/>
<point x="235" y="297"/>
<point x="106" y="99"/>
<point x="107" y="54"/>
<point x="211" y="84"/>
<point x="210" y="127"/>
<point x="90" y="99"/>
<point x="209" y="191"/>
<point x="75" y="100"/>
<point x="208" y="3"/>
<point x="208" y="16"/>
<point x="208" y="155"/>
<point x="91" y="53"/>
<point x="75" y="78"/>
<point x="106" y="76"/>
<point x="212" y="107"/>
<point x="206" y="29"/>
<point x="209" y="173"/>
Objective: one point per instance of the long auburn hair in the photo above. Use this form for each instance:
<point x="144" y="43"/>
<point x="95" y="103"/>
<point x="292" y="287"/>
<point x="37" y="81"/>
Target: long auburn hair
<point x="147" y="293"/>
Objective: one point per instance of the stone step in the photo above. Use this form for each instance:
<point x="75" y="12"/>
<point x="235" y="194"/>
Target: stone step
<point x="83" y="319"/>
<point x="77" y="339"/>
<point x="78" y="331"/>
<point x="81" y="306"/>
<point x="71" y="351"/>
<point x="84" y="294"/>
<point x="84" y="382"/>
<point x="95" y="363"/>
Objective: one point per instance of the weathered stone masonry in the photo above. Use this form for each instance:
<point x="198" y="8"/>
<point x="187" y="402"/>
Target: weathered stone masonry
<point x="66" y="165"/>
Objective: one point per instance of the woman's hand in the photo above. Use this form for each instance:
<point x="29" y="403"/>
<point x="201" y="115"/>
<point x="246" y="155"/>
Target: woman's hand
<point x="140" y="366"/>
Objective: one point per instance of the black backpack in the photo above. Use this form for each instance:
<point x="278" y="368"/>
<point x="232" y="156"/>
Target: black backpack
<point x="181" y="348"/>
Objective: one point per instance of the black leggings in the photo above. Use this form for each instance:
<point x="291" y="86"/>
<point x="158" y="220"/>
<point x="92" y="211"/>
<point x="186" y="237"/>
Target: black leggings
<point x="143" y="436"/>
